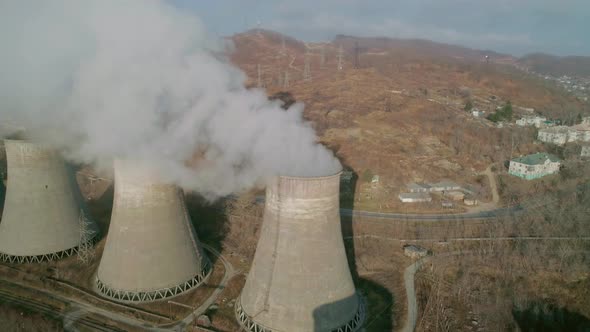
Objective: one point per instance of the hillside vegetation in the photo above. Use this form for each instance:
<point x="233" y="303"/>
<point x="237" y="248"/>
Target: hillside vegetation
<point x="400" y="113"/>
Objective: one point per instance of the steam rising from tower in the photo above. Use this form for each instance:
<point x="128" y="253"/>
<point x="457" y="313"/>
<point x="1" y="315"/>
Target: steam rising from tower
<point x="42" y="209"/>
<point x="299" y="279"/>
<point x="140" y="79"/>
<point x="152" y="250"/>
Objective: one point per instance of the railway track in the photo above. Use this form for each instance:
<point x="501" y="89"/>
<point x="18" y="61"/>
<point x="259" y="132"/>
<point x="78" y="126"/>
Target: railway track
<point x="52" y="311"/>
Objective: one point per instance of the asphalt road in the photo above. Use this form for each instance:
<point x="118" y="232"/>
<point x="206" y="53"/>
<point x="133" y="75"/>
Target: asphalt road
<point x="489" y="214"/>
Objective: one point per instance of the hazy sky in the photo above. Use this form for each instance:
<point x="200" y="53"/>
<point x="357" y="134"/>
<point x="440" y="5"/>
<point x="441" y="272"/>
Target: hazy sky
<point x="517" y="27"/>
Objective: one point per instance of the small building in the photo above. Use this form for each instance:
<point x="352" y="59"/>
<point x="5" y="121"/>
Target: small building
<point x="585" y="151"/>
<point x="470" y="201"/>
<point x="534" y="166"/>
<point x="446" y="204"/>
<point x="414" y="197"/>
<point x="455" y="195"/>
<point x="477" y="113"/>
<point x="418" y="187"/>
<point x="530" y="120"/>
<point x="445" y="185"/>
<point x="375" y="181"/>
<point x="558" y="135"/>
<point x="414" y="251"/>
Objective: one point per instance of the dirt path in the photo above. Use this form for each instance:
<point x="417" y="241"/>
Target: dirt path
<point x="493" y="186"/>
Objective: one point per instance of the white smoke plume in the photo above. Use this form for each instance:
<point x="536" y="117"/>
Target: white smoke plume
<point x="140" y="79"/>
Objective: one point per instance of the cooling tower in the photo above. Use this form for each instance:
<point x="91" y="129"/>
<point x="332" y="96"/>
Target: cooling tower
<point x="299" y="279"/>
<point x="152" y="250"/>
<point x="42" y="208"/>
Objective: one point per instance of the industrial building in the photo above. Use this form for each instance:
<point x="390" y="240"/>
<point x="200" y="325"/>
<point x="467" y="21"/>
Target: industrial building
<point x="300" y="279"/>
<point x="152" y="250"/>
<point x="43" y="217"/>
<point x="415" y="197"/>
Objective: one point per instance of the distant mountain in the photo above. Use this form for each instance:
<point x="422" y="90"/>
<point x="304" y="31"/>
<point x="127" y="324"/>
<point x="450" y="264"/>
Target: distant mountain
<point x="557" y="65"/>
<point x="422" y="47"/>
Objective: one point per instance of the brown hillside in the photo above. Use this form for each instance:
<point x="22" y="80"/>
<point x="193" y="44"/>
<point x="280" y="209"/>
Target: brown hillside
<point x="401" y="113"/>
<point x="557" y="66"/>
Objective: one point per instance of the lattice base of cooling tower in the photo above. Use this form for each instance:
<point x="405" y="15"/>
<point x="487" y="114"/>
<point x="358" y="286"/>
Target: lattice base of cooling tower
<point x="13" y="259"/>
<point x="251" y="326"/>
<point x="154" y="295"/>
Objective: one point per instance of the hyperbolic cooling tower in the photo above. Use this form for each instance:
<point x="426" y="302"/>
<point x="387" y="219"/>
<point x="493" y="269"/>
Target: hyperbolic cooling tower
<point x="299" y="279"/>
<point x="152" y="250"/>
<point x="42" y="209"/>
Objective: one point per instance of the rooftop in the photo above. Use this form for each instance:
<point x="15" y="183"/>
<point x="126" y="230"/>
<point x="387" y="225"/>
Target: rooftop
<point x="445" y="183"/>
<point x="414" y="195"/>
<point x="415" y="185"/>
<point x="536" y="159"/>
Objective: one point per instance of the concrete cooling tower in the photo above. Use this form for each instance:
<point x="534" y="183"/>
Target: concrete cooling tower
<point x="299" y="279"/>
<point x="152" y="250"/>
<point x="42" y="209"/>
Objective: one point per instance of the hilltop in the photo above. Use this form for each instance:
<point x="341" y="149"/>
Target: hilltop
<point x="557" y="66"/>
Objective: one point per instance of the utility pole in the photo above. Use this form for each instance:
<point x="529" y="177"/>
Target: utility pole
<point x="286" y="80"/>
<point x="356" y="55"/>
<point x="283" y="50"/>
<point x="307" y="67"/>
<point x="340" y="57"/>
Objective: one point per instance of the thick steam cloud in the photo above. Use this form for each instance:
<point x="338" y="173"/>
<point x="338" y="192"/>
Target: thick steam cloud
<point x="140" y="79"/>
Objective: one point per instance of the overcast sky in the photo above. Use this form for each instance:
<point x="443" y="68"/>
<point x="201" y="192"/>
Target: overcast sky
<point x="560" y="27"/>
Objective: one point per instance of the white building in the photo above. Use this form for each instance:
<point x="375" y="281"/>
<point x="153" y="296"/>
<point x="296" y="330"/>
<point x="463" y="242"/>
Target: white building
<point x="530" y="120"/>
<point x="557" y="135"/>
<point x="418" y="187"/>
<point x="477" y="113"/>
<point x="534" y="166"/>
<point x="445" y="186"/>
<point x="562" y="134"/>
<point x="414" y="197"/>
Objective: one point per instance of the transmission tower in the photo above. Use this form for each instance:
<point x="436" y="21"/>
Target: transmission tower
<point x="322" y="57"/>
<point x="356" y="55"/>
<point x="340" y="57"/>
<point x="259" y="84"/>
<point x="85" y="248"/>
<point x="283" y="50"/>
<point x="307" y="67"/>
<point x="286" y="80"/>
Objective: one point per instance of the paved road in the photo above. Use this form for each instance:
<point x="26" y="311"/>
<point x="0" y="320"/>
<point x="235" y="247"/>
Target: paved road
<point x="229" y="273"/>
<point x="412" y="315"/>
<point x="492" y="179"/>
<point x="490" y="214"/>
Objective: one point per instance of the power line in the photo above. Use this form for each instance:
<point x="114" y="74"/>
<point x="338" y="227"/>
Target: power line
<point x="259" y="83"/>
<point x="340" y="57"/>
<point x="307" y="67"/>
